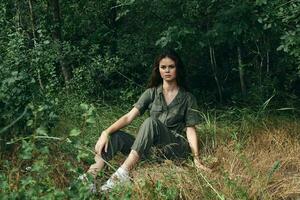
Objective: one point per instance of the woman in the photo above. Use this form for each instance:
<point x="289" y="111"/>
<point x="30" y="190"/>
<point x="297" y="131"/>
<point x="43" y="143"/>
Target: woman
<point x="173" y="111"/>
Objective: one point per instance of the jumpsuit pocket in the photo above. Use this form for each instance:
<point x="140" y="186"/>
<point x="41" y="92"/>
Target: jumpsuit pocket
<point x="175" y="118"/>
<point x="156" y="111"/>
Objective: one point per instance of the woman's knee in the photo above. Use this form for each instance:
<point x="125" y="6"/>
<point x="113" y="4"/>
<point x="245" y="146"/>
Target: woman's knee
<point x="115" y="136"/>
<point x="120" y="137"/>
<point x="148" y="129"/>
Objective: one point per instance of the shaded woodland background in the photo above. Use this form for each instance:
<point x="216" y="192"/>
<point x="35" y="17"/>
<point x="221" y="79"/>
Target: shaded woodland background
<point x="60" y="58"/>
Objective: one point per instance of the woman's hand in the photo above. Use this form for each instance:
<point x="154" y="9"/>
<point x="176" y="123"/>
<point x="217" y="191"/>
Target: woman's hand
<point x="102" y="143"/>
<point x="200" y="166"/>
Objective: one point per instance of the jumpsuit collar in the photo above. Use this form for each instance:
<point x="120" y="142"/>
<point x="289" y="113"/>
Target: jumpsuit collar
<point x="178" y="98"/>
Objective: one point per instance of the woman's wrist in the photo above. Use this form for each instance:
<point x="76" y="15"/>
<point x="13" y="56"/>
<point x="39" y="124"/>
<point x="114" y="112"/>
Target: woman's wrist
<point x="105" y="132"/>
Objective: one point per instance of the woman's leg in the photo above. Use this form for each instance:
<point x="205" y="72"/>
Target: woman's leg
<point x="119" y="142"/>
<point x="131" y="160"/>
<point x="151" y="132"/>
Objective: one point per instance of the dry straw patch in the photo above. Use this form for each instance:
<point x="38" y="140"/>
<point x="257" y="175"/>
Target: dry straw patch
<point x="267" y="166"/>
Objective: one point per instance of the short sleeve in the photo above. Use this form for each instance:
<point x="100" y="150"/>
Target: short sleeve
<point x="144" y="101"/>
<point x="192" y="117"/>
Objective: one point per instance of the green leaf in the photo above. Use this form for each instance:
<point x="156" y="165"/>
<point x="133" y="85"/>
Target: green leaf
<point x="46" y="42"/>
<point x="82" y="154"/>
<point x="68" y="140"/>
<point x="27" y="149"/>
<point x="75" y="132"/>
<point x="41" y="131"/>
<point x="41" y="108"/>
<point x="38" y="166"/>
<point x="44" y="150"/>
<point x="260" y="2"/>
<point x="29" y="122"/>
<point x="84" y="106"/>
<point x="274" y="168"/>
<point x="91" y="110"/>
<point x="91" y="120"/>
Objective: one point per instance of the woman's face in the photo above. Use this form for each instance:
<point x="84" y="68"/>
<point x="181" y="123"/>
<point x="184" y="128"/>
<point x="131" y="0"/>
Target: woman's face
<point x="167" y="69"/>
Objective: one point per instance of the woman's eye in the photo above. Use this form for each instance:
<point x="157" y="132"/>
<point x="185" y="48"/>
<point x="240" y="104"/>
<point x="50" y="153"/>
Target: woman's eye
<point x="169" y="67"/>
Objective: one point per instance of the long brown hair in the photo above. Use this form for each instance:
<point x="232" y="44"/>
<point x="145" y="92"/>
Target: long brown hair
<point x="155" y="78"/>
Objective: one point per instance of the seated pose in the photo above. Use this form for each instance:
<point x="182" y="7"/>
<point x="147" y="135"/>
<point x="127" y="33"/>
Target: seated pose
<point x="173" y="111"/>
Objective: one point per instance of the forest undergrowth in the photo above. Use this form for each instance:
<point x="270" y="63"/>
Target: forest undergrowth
<point x="254" y="155"/>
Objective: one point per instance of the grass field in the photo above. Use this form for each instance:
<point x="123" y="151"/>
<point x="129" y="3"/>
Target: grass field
<point x="253" y="155"/>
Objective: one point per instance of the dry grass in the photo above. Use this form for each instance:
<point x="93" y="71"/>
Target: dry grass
<point x="266" y="166"/>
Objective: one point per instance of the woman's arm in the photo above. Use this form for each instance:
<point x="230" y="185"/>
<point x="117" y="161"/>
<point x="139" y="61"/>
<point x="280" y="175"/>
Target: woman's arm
<point x="192" y="139"/>
<point x="123" y="121"/>
<point x="120" y="123"/>
<point x="193" y="142"/>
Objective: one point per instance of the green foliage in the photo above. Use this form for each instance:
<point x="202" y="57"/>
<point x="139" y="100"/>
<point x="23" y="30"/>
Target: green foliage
<point x="100" y="43"/>
<point x="96" y="77"/>
<point x="59" y="63"/>
<point x="36" y="155"/>
<point x="288" y="13"/>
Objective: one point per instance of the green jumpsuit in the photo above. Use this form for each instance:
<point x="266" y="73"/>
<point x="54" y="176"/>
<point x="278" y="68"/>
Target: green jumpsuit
<point x="164" y="128"/>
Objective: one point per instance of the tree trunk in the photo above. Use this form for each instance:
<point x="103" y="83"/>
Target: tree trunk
<point x="32" y="21"/>
<point x="261" y="62"/>
<point x="58" y="37"/>
<point x="241" y="72"/>
<point x="214" y="69"/>
<point x="57" y="20"/>
<point x="268" y="62"/>
<point x="18" y="14"/>
<point x="113" y="27"/>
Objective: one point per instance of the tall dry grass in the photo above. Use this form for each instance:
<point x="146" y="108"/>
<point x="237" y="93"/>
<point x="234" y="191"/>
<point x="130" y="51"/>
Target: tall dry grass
<point x="264" y="166"/>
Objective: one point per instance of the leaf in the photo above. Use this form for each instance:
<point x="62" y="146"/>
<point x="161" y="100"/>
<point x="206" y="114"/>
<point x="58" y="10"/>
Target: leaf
<point x="38" y="166"/>
<point x="91" y="120"/>
<point x="46" y="42"/>
<point x="84" y="106"/>
<point x="274" y="168"/>
<point x="260" y="2"/>
<point x="91" y="110"/>
<point x="41" y="108"/>
<point x="29" y="122"/>
<point x="14" y="73"/>
<point x="285" y="109"/>
<point x="82" y="154"/>
<point x="75" y="132"/>
<point x="27" y="150"/>
<point x="280" y="47"/>
<point x="266" y="103"/>
<point x="41" y="131"/>
<point x="68" y="140"/>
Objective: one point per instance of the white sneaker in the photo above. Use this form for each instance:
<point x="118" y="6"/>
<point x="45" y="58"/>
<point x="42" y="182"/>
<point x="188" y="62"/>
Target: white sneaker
<point x="120" y="177"/>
